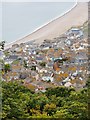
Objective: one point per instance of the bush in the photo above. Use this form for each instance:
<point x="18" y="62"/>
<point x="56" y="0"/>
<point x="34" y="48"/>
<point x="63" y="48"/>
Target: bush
<point x="42" y="64"/>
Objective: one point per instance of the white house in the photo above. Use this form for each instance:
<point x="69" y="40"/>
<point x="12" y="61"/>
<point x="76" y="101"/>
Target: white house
<point x="47" y="78"/>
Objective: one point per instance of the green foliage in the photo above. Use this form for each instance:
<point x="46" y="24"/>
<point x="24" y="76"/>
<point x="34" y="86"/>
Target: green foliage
<point x="74" y="110"/>
<point x="2" y="44"/>
<point x="6" y="53"/>
<point x="16" y="61"/>
<point x="61" y="102"/>
<point x="50" y="109"/>
<point x="14" y="99"/>
<point x="42" y="64"/>
<point x="33" y="68"/>
<point x="59" y="91"/>
<point x="25" y="64"/>
<point x="88" y="83"/>
<point x="7" y="67"/>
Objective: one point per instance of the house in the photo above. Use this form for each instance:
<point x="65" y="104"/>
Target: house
<point x="68" y="42"/>
<point x="43" y="70"/>
<point x="81" y="58"/>
<point x="39" y="59"/>
<point x="10" y="59"/>
<point x="2" y="55"/>
<point x="72" y="68"/>
<point x="34" y="74"/>
<point x="47" y="78"/>
<point x="13" y="57"/>
<point x="55" y="66"/>
<point x="75" y="73"/>
<point x="50" y="64"/>
<point x="74" y="33"/>
<point x="28" y="80"/>
<point x="12" y="76"/>
<point x="45" y="45"/>
<point x="49" y="57"/>
<point x="31" y="86"/>
<point x="16" y="68"/>
<point x="22" y="45"/>
<point x="67" y="84"/>
<point x="66" y="79"/>
<point x="1" y="66"/>
<point x="13" y="48"/>
<point x="42" y="89"/>
<point x="23" y="75"/>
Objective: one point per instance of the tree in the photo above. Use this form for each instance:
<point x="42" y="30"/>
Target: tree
<point x="7" y="68"/>
<point x="2" y="44"/>
<point x="33" y="68"/>
<point x="59" y="91"/>
<point x="88" y="83"/>
<point x="50" y="109"/>
<point x="42" y="64"/>
<point x="73" y="110"/>
<point x="25" y="64"/>
<point x="14" y="100"/>
<point x="19" y="102"/>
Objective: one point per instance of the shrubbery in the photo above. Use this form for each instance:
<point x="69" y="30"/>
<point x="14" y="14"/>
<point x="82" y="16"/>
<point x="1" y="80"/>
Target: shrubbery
<point x="20" y="102"/>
